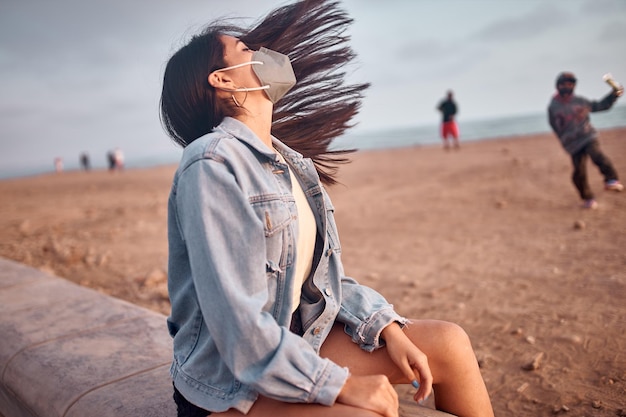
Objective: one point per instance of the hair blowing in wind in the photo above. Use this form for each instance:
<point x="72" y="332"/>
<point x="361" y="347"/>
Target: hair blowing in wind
<point x="314" y="112"/>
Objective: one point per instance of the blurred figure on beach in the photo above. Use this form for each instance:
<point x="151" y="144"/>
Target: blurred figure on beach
<point x="58" y="164"/>
<point x="111" y="160"/>
<point x="568" y="115"/>
<point x="119" y="159"/>
<point x="115" y="159"/>
<point x="84" y="161"/>
<point x="449" y="109"/>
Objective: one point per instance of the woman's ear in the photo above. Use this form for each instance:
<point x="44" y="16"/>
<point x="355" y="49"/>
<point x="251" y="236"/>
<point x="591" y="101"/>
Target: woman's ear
<point x="218" y="79"/>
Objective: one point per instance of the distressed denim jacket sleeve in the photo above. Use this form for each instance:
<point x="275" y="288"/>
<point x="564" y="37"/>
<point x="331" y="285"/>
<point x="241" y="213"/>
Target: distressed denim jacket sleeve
<point x="365" y="314"/>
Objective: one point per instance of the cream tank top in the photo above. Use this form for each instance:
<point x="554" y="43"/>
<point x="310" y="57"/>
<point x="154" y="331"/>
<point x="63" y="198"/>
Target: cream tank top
<point x="305" y="245"/>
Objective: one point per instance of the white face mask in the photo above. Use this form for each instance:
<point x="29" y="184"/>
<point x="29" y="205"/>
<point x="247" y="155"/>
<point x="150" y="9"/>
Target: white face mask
<point x="273" y="70"/>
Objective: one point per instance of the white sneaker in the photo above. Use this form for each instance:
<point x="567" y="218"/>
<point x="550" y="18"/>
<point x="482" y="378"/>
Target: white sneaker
<point x="613" y="185"/>
<point x="590" y="204"/>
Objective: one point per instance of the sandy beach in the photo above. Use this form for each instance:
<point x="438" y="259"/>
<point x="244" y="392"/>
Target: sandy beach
<point x="491" y="237"/>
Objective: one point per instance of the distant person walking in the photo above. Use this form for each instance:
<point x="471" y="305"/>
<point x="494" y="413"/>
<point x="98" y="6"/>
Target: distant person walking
<point x="569" y="118"/>
<point x="449" y="109"/>
<point x="111" y="160"/>
<point x="115" y="159"/>
<point x="84" y="161"/>
<point x="119" y="159"/>
<point x="58" y="164"/>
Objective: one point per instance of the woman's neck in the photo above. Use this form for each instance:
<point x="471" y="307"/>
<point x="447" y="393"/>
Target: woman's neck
<point x="259" y="120"/>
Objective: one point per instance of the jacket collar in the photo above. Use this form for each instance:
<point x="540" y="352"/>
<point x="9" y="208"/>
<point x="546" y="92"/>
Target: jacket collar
<point x="241" y="132"/>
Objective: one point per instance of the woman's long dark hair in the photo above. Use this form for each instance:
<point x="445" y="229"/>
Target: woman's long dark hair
<point x="314" y="112"/>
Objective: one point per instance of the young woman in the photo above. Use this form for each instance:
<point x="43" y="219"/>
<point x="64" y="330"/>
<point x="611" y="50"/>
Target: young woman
<point x="264" y="321"/>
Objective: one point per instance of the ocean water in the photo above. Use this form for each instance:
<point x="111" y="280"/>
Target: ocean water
<point x="472" y="130"/>
<point x="425" y="135"/>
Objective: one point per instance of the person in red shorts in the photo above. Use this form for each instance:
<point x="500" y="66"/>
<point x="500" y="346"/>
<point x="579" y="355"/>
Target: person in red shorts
<point x="448" y="109"/>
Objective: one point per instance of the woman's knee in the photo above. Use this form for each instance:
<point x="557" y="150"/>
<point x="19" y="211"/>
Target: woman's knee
<point x="437" y="331"/>
<point x="443" y="342"/>
<point x="453" y="334"/>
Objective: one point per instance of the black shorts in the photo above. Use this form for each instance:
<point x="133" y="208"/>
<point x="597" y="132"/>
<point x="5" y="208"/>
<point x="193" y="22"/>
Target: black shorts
<point x="187" y="409"/>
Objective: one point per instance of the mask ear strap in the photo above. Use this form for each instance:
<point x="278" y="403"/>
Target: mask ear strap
<point x="243" y="64"/>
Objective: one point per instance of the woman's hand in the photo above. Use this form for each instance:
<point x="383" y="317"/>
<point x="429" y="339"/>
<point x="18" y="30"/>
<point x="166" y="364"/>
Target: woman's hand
<point x="372" y="392"/>
<point x="411" y="361"/>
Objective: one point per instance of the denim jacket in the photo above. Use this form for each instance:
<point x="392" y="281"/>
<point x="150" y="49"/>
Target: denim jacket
<point x="232" y="232"/>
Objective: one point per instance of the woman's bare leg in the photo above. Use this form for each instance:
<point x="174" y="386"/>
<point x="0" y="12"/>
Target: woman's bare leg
<point x="265" y="407"/>
<point x="459" y="387"/>
<point x="458" y="384"/>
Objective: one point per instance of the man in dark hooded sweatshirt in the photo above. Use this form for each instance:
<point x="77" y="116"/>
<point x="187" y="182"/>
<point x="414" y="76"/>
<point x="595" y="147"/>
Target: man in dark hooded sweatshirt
<point x="569" y="118"/>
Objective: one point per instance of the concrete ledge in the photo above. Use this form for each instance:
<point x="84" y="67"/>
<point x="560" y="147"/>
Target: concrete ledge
<point x="69" y="351"/>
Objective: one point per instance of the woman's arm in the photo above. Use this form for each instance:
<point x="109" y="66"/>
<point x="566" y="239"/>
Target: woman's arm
<point x="606" y="102"/>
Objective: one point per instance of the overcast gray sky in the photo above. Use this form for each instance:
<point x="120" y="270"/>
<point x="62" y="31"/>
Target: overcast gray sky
<point x="82" y="75"/>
